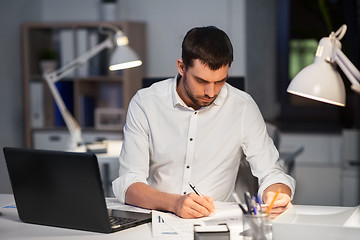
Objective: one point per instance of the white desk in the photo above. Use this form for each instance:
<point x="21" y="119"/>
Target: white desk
<point x="11" y="228"/>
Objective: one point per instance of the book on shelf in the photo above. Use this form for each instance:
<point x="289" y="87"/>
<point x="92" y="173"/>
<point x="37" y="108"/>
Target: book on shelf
<point x="82" y="46"/>
<point x="66" y="90"/>
<point x="37" y="115"/>
<point x="111" y="95"/>
<point x="94" y="62"/>
<point x="67" y="48"/>
<point x="87" y="111"/>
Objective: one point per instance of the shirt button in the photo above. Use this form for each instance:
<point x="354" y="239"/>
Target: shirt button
<point x="187" y="166"/>
<point x="195" y="112"/>
<point x="184" y="193"/>
<point x="191" y="139"/>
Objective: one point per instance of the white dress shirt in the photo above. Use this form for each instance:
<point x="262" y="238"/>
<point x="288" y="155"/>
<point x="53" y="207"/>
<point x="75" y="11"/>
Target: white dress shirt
<point x="167" y="144"/>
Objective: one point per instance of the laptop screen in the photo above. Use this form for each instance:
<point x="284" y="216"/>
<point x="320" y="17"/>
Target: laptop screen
<point x="56" y="188"/>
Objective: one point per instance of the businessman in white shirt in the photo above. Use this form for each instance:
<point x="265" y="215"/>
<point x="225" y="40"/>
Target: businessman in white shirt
<point x="196" y="128"/>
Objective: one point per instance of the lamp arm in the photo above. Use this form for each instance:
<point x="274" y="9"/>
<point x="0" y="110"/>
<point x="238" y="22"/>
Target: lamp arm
<point x="52" y="77"/>
<point x="71" y="124"/>
<point x="72" y="65"/>
<point x="349" y="69"/>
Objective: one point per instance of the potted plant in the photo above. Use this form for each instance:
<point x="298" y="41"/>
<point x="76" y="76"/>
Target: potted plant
<point x="48" y="61"/>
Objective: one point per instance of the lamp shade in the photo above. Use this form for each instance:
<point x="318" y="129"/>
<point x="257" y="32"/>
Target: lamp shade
<point x="320" y="81"/>
<point x="123" y="56"/>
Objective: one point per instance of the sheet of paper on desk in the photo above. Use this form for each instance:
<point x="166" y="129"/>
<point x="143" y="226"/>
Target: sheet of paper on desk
<point x="165" y="224"/>
<point x="113" y="203"/>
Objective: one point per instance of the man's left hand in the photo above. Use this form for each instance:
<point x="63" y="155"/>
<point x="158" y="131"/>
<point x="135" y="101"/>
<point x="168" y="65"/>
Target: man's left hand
<point x="282" y="202"/>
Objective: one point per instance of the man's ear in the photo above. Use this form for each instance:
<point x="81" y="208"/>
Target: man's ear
<point x="181" y="66"/>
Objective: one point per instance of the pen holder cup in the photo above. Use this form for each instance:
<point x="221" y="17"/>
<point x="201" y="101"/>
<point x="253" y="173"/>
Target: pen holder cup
<point x="257" y="227"/>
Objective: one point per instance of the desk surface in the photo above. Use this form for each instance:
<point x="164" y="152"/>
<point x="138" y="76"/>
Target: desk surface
<point x="12" y="228"/>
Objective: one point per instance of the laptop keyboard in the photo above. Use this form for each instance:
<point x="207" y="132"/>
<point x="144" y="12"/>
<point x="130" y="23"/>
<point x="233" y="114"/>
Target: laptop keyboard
<point x="116" y="222"/>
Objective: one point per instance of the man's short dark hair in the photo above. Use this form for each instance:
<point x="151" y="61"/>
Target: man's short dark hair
<point x="210" y="45"/>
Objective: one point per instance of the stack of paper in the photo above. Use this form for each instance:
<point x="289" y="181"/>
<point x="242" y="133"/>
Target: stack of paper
<point x="165" y="224"/>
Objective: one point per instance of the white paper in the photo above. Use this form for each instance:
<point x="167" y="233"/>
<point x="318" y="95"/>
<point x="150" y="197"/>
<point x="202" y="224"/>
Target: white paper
<point x="165" y="224"/>
<point x="113" y="203"/>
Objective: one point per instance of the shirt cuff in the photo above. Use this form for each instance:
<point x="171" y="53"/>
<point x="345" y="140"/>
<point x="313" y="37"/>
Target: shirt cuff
<point x="120" y="186"/>
<point x="278" y="178"/>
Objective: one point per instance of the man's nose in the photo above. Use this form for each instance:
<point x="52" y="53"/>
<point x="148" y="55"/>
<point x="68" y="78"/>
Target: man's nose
<point x="210" y="90"/>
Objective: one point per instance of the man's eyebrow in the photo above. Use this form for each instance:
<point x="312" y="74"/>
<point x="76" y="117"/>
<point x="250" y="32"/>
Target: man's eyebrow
<point x="224" y="79"/>
<point x="203" y="80"/>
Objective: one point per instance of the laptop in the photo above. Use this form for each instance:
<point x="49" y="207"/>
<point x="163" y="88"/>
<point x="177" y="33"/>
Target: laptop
<point x="64" y="189"/>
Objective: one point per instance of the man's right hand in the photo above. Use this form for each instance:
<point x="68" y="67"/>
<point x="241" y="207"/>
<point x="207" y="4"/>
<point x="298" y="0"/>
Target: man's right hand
<point x="186" y="206"/>
<point x="193" y="206"/>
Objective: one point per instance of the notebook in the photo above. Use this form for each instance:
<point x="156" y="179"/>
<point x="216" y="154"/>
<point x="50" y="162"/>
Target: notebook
<point x="63" y="189"/>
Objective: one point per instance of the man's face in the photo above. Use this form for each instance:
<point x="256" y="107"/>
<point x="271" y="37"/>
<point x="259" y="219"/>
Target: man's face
<point x="199" y="85"/>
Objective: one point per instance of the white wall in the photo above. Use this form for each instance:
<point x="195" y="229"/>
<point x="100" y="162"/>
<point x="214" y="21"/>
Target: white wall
<point x="70" y="10"/>
<point x="168" y="21"/>
<point x="318" y="169"/>
<point x="12" y="14"/>
<point x="261" y="55"/>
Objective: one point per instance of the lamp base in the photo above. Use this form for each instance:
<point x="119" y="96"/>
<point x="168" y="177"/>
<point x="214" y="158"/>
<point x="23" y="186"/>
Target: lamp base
<point x="97" y="147"/>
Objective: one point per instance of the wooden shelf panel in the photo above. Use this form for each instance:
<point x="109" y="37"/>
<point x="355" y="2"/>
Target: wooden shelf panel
<point x="99" y="85"/>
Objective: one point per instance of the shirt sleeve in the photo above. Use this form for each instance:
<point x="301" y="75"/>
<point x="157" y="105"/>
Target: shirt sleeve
<point x="134" y="155"/>
<point x="261" y="152"/>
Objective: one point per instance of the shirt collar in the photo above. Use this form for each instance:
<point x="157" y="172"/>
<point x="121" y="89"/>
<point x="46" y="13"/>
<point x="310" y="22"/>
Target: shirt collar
<point x="178" y="101"/>
<point x="221" y="96"/>
<point x="175" y="96"/>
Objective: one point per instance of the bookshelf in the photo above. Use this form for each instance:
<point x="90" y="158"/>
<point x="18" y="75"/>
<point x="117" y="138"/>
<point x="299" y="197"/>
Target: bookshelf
<point x="89" y="88"/>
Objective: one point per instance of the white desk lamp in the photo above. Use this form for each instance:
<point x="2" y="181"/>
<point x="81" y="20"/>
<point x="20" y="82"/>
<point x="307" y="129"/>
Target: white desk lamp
<point x="321" y="81"/>
<point x="122" y="57"/>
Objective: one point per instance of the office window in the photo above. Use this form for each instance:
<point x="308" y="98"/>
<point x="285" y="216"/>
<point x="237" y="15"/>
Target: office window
<point x="301" y="25"/>
<point x="301" y="54"/>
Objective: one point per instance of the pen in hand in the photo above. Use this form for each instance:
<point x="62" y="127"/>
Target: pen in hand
<point x="259" y="202"/>
<point x="212" y="208"/>
<point x="195" y="189"/>
<point x="272" y="203"/>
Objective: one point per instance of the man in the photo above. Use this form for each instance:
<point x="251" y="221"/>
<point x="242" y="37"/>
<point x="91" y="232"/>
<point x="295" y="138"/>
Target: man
<point x="196" y="128"/>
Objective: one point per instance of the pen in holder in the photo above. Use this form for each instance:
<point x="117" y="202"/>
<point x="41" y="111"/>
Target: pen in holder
<point x="257" y="227"/>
